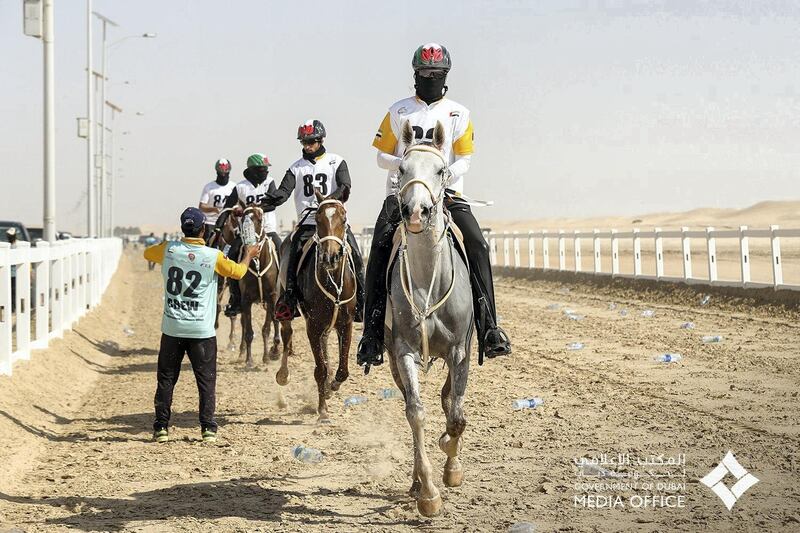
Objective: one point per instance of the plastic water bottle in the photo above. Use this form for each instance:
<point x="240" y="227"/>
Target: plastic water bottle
<point x="712" y="338"/>
<point x="389" y="394"/>
<point x="575" y="346"/>
<point x="249" y="236"/>
<point x="648" y="313"/>
<point x="668" y="357"/>
<point x="612" y="306"/>
<point x="575" y="317"/>
<point x="687" y="325"/>
<point x="354" y="400"/>
<point x="705" y="300"/>
<point x="569" y="311"/>
<point x="553" y="307"/>
<point x="623" y="312"/>
<point x="531" y="403"/>
<point x="522" y="527"/>
<point x="307" y="455"/>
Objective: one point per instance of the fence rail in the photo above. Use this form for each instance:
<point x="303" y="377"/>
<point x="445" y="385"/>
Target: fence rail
<point x="54" y="284"/>
<point x="540" y="240"/>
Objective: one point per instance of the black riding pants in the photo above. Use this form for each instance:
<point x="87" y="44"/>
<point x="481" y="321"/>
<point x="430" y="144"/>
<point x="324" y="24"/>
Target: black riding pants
<point x="203" y="356"/>
<point x="477" y="256"/>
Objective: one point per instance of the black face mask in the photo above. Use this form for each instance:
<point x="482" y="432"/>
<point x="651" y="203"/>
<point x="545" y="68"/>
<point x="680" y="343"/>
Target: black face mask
<point x="430" y="90"/>
<point x="222" y="179"/>
<point x="312" y="156"/>
<point x="257" y="175"/>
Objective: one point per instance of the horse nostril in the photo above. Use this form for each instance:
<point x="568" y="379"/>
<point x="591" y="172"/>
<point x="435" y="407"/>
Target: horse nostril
<point x="425" y="211"/>
<point x="406" y="211"/>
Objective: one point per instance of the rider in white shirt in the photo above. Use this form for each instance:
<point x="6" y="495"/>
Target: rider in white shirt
<point x="250" y="191"/>
<point x="431" y="63"/>
<point x="214" y="196"/>
<point x="327" y="172"/>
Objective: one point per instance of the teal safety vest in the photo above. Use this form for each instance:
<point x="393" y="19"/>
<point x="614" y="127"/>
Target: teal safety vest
<point x="190" y="290"/>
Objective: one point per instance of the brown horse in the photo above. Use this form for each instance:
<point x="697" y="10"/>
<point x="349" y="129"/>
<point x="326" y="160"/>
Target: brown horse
<point x="327" y="282"/>
<point x="260" y="285"/>
<point x="220" y="241"/>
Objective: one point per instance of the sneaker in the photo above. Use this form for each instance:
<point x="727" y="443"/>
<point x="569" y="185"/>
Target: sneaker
<point x="160" y="435"/>
<point x="209" y="435"/>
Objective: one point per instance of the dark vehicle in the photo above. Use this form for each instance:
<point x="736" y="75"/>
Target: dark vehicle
<point x="22" y="231"/>
<point x="37" y="234"/>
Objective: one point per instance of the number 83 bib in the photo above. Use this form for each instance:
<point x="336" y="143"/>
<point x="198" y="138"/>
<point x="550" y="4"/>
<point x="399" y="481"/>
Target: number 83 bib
<point x="319" y="175"/>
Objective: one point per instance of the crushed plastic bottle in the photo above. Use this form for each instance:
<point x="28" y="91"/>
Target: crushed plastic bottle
<point x="668" y="357"/>
<point x="590" y="468"/>
<point x="707" y="339"/>
<point x="647" y="313"/>
<point x="127" y="330"/>
<point x="530" y="403"/>
<point x="623" y="312"/>
<point x="389" y="394"/>
<point x="307" y="455"/>
<point x="612" y="306"/>
<point x="687" y="325"/>
<point x="249" y="236"/>
<point x="354" y="400"/>
<point x="573" y="316"/>
<point x="705" y="299"/>
<point x="554" y="307"/>
<point x="575" y="346"/>
<point x="522" y="527"/>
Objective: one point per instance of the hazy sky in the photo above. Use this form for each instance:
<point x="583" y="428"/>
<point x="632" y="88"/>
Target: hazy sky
<point x="580" y="108"/>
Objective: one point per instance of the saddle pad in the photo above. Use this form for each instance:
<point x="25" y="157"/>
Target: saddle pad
<point x="397" y="239"/>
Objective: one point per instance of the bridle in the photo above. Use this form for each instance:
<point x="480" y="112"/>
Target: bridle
<point x="263" y="238"/>
<point x="436" y="200"/>
<point x="344" y="247"/>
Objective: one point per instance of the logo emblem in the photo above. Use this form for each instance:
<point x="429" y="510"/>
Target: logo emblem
<point x="402" y="111"/>
<point x="431" y="55"/>
<point x="744" y="480"/>
<point x="191" y="257"/>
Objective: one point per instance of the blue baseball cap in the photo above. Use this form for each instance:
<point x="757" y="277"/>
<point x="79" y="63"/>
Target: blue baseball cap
<point x="192" y="219"/>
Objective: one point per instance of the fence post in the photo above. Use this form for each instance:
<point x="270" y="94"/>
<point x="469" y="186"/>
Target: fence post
<point x="614" y="253"/>
<point x="562" y="259"/>
<point x="545" y="251"/>
<point x="56" y="289"/>
<point x="744" y="253"/>
<point x="531" y="250"/>
<point x="42" y="295"/>
<point x="5" y="309"/>
<point x="517" y="263"/>
<point x="777" y="268"/>
<point x="596" y="250"/>
<point x="577" y="251"/>
<point x="659" y="254"/>
<point x="712" y="255"/>
<point x="637" y="253"/>
<point x="493" y="249"/>
<point x="686" y="250"/>
<point x="23" y="303"/>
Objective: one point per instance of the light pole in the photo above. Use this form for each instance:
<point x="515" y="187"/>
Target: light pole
<point x="91" y="227"/>
<point x="114" y="110"/>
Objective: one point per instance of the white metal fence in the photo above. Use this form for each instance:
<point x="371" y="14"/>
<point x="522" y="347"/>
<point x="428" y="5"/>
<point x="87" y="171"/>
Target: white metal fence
<point x="55" y="285"/>
<point x="538" y="252"/>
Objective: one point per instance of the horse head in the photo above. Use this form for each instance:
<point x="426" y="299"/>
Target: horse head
<point x="331" y="219"/>
<point x="229" y="227"/>
<point x="423" y="174"/>
<point x="256" y="214"/>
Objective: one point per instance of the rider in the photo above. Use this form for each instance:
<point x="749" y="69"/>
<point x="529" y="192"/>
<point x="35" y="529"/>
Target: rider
<point x="320" y="170"/>
<point x="431" y="63"/>
<point x="214" y="195"/>
<point x="250" y="191"/>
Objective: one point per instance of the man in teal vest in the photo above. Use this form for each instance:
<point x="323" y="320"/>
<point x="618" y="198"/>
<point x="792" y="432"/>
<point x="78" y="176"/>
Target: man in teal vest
<point x="190" y="306"/>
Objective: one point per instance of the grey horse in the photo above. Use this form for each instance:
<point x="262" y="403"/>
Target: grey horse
<point x="431" y="310"/>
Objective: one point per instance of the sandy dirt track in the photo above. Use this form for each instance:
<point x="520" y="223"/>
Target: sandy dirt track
<point x="76" y="425"/>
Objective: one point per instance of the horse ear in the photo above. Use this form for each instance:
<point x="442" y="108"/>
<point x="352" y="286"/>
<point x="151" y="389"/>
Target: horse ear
<point x="318" y="195"/>
<point x="438" y="136"/>
<point x="407" y="134"/>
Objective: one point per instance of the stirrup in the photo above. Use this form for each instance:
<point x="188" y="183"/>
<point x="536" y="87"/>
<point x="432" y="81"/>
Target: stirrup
<point x="370" y="352"/>
<point x="500" y="346"/>
<point x="232" y="310"/>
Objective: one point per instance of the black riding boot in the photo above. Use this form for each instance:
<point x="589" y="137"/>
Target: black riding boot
<point x="370" y="349"/>
<point x="492" y="340"/>
<point x="358" y="263"/>
<point x="234" y="306"/>
<point x="286" y="308"/>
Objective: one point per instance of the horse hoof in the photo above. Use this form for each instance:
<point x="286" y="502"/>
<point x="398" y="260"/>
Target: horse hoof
<point x="249" y="365"/>
<point x="324" y="419"/>
<point x="335" y="385"/>
<point x="282" y="377"/>
<point x="453" y="473"/>
<point x="274" y="354"/>
<point x="429" y="507"/>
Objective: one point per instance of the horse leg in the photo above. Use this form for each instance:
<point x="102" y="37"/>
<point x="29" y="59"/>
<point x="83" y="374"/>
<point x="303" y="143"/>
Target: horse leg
<point x="265" y="336"/>
<point x="450" y="441"/>
<point x="282" y="376"/>
<point x="345" y="336"/>
<point x="232" y="335"/>
<point x="275" y="351"/>
<point x="248" y="335"/>
<point x="429" y="502"/>
<point x="320" y="371"/>
<point x="242" y="342"/>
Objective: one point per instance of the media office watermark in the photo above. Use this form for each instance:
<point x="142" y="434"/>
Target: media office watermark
<point x="624" y="480"/>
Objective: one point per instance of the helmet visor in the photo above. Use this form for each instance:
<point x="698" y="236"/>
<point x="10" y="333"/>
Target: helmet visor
<point x="434" y="73"/>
